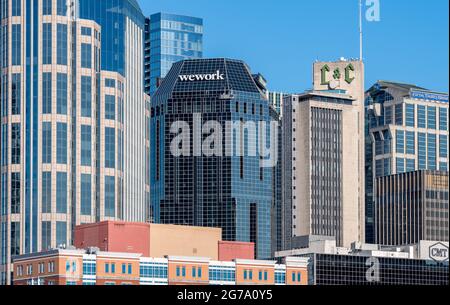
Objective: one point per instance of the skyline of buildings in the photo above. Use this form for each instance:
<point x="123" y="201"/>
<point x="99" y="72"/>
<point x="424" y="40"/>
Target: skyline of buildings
<point x="82" y="141"/>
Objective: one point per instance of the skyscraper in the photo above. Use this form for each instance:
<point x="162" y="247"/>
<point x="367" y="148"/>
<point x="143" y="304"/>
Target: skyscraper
<point x="232" y="191"/>
<point x="170" y="38"/>
<point x="407" y="130"/>
<point x="322" y="158"/>
<point x="73" y="110"/>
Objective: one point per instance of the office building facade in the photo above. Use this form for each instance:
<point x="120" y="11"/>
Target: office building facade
<point x="232" y="191"/>
<point x="410" y="207"/>
<point x="276" y="100"/>
<point x="65" y="101"/>
<point x="169" y="38"/>
<point x="407" y="130"/>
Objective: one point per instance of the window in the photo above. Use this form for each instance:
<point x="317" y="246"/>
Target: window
<point x="388" y="115"/>
<point x="46" y="192"/>
<point x="245" y="274"/>
<point x="113" y="268"/>
<point x="47" y="93"/>
<point x="183" y="271"/>
<point x="15" y="143"/>
<point x="61" y="143"/>
<point x="400" y="139"/>
<point x="46" y="7"/>
<point x="61" y="8"/>
<point x="110" y="107"/>
<point x="61" y="192"/>
<point x="61" y="87"/>
<point x="431" y="152"/>
<point x="443" y="119"/>
<point x="47" y="43"/>
<point x="106" y="267"/>
<point x="110" y="195"/>
<point x="86" y="31"/>
<point x="15" y="94"/>
<point x="410" y="115"/>
<point x="422" y="144"/>
<point x="15" y="193"/>
<point x="86" y="145"/>
<point x="421" y="116"/>
<point x="61" y="233"/>
<point x="15" y="7"/>
<point x="178" y="270"/>
<point x="400" y="165"/>
<point x="431" y="111"/>
<point x="124" y="268"/>
<point x="399" y="114"/>
<point x="299" y="277"/>
<point x="443" y="146"/>
<point x="410" y="165"/>
<point x="130" y="269"/>
<point x="410" y="143"/>
<point x="194" y="272"/>
<point x="86" y="55"/>
<point x="199" y="272"/>
<point x="110" y="150"/>
<point x="86" y="96"/>
<point x="16" y="44"/>
<point x="86" y="194"/>
<point x="46" y="142"/>
<point x="110" y="83"/>
<point x="46" y="235"/>
<point x="293" y="277"/>
<point x="15" y="238"/>
<point x="61" y="53"/>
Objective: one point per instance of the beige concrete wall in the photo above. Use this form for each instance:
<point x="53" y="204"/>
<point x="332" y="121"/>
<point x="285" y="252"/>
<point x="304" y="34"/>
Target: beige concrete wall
<point x="184" y="241"/>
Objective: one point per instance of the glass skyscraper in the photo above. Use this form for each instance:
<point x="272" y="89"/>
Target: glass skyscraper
<point x="73" y="113"/>
<point x="228" y="191"/>
<point x="170" y="38"/>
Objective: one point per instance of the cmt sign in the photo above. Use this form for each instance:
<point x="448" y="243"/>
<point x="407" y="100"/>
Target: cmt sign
<point x="438" y="252"/>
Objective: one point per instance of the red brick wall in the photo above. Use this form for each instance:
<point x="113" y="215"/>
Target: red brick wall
<point x="229" y="250"/>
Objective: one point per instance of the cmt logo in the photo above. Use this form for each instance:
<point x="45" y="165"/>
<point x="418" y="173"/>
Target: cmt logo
<point x="438" y="252"/>
<point x="201" y="77"/>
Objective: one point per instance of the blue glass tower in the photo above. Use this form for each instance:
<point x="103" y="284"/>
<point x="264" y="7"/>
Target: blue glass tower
<point x="170" y="38"/>
<point x="230" y="191"/>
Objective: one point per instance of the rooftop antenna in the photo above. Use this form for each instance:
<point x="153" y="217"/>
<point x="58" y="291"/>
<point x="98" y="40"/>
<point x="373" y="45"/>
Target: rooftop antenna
<point x="360" y="31"/>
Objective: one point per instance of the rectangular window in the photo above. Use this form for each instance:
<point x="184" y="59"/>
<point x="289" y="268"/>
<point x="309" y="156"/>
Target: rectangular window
<point x="61" y="233"/>
<point x="15" y="238"/>
<point x="61" y="192"/>
<point x="47" y="93"/>
<point x="15" y="143"/>
<point x="410" y="165"/>
<point x="86" y="31"/>
<point x="110" y="151"/>
<point x="178" y="270"/>
<point x="400" y="165"/>
<point x="431" y="152"/>
<point x="130" y="269"/>
<point x="61" y="143"/>
<point x="86" y="55"/>
<point x="86" y="96"/>
<point x="421" y="116"/>
<point x="86" y="145"/>
<point x="106" y="267"/>
<point x="15" y="93"/>
<point x="410" y="115"/>
<point x="422" y="144"/>
<point x="110" y="196"/>
<point x="410" y="142"/>
<point x="16" y="44"/>
<point x="110" y="83"/>
<point x="46" y="7"/>
<point x="46" y="234"/>
<point x="113" y="268"/>
<point x="110" y="107"/>
<point x="61" y="94"/>
<point x="388" y="115"/>
<point x="46" y="142"/>
<point x="15" y="193"/>
<point x="47" y="43"/>
<point x="400" y="141"/>
<point x="399" y="114"/>
<point x="443" y="119"/>
<point x="46" y="192"/>
<point x="431" y="112"/>
<point x="61" y="8"/>
<point x="86" y="194"/>
<point x="443" y="166"/>
<point x="61" y="38"/>
<point x="16" y="7"/>
<point x="443" y="146"/>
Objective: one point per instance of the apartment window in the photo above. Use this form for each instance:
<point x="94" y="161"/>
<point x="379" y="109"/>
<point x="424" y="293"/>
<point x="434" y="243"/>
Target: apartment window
<point x="47" y="43"/>
<point x="61" y="192"/>
<point x="86" y="96"/>
<point x="443" y="119"/>
<point x="47" y="93"/>
<point x="110" y="147"/>
<point x="46" y="142"/>
<point x="16" y="44"/>
<point x="46" y="192"/>
<point x="51" y="267"/>
<point x="410" y="115"/>
<point x="61" y="143"/>
<point x="86" y="145"/>
<point x="61" y="8"/>
<point x="15" y="143"/>
<point x="15" y="193"/>
<point x="15" y="93"/>
<point x="46" y="7"/>
<point x="86" y="55"/>
<point x="86" y="194"/>
<point x="110" y="195"/>
<point x="61" y="50"/>
<point x="110" y="107"/>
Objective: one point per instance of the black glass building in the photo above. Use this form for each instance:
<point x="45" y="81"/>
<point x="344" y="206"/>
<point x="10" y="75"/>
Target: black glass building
<point x="230" y="191"/>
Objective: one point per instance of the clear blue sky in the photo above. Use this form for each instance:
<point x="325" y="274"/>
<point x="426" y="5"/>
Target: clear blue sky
<point x="281" y="38"/>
